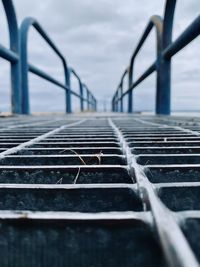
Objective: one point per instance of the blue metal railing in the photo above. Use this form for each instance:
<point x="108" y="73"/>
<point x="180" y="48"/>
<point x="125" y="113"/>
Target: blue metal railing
<point x="90" y="99"/>
<point x="166" y="49"/>
<point x="26" y="67"/>
<point x="17" y="55"/>
<point x="12" y="55"/>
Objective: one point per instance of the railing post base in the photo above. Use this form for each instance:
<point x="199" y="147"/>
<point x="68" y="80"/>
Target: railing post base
<point x="163" y="94"/>
<point x="130" y="102"/>
<point x="68" y="102"/>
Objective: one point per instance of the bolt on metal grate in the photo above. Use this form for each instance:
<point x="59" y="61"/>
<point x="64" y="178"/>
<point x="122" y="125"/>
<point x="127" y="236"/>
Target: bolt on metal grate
<point x="114" y="190"/>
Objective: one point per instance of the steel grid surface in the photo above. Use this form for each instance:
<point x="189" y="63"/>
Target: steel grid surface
<point x="115" y="190"/>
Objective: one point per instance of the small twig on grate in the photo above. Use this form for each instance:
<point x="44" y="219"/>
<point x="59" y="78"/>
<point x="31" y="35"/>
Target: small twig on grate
<point x="99" y="157"/>
<point x="77" y="175"/>
<point x="73" y="151"/>
<point x="60" y="181"/>
<point x="81" y="159"/>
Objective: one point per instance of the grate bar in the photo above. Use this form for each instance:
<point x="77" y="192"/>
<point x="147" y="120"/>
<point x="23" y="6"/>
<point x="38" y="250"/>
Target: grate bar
<point x="109" y="180"/>
<point x="164" y="220"/>
<point x="35" y="140"/>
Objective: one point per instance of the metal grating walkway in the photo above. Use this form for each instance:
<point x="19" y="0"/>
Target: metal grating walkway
<point x="99" y="191"/>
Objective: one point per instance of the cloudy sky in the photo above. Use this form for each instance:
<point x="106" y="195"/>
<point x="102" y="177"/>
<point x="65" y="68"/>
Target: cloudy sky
<point x="97" y="39"/>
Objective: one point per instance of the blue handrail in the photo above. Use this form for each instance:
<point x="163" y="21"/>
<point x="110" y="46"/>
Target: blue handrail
<point x="26" y="67"/>
<point x="17" y="55"/>
<point x="72" y="72"/>
<point x="90" y="99"/>
<point x="166" y="49"/>
<point x="12" y="55"/>
<point x="119" y="94"/>
<point x="157" y="22"/>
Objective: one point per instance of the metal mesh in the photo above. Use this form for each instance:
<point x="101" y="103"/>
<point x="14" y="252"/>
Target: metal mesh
<point x="99" y="191"/>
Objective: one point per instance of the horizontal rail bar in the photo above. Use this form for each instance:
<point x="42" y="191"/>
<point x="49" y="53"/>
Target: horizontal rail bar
<point x="8" y="54"/>
<point x="75" y="74"/>
<point x="148" y="72"/>
<point x="192" y="31"/>
<point x="155" y="21"/>
<point x="143" y="38"/>
<point x="122" y="78"/>
<point x="47" y="77"/>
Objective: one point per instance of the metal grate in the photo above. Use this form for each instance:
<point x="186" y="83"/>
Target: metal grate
<point x="99" y="191"/>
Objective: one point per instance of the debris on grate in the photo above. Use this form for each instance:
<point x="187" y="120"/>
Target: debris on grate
<point x="106" y="188"/>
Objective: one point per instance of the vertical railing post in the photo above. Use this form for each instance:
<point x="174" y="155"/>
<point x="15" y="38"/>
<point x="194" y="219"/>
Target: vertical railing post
<point x="68" y="92"/>
<point x="88" y="99"/>
<point x="121" y="98"/>
<point x="95" y="104"/>
<point x="81" y="96"/>
<point x="118" y="101"/>
<point x="130" y="101"/>
<point x="130" y="93"/>
<point x="14" y="46"/>
<point x="164" y="94"/>
<point x="24" y="68"/>
<point x="113" y="104"/>
<point x="159" y="73"/>
<point x="91" y="102"/>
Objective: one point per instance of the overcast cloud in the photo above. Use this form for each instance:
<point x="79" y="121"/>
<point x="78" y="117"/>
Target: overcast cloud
<point x="97" y="39"/>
